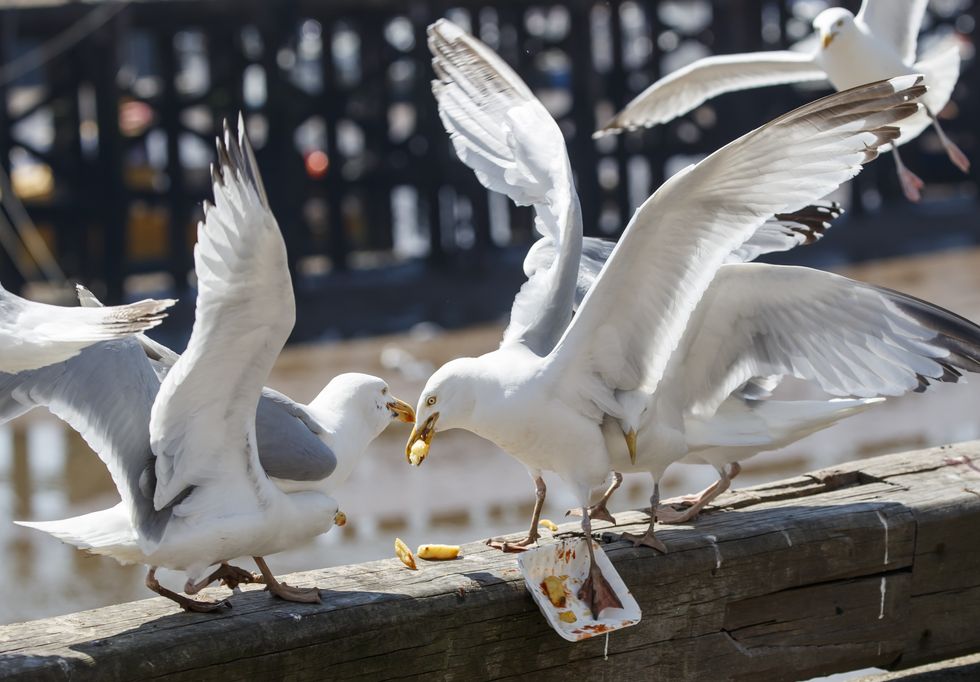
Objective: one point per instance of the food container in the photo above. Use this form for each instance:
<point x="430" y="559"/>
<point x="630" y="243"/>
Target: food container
<point x="569" y="561"/>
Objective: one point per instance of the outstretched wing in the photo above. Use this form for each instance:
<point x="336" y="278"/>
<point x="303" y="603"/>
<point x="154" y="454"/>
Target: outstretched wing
<point x="896" y="22"/>
<point x="114" y="422"/>
<point x="786" y="231"/>
<point x="154" y="350"/>
<point x="851" y="339"/>
<point x="501" y="131"/>
<point x="289" y="446"/>
<point x="633" y="318"/>
<point x="780" y="233"/>
<point x="681" y="91"/>
<point x="203" y="423"/>
<point x="35" y="334"/>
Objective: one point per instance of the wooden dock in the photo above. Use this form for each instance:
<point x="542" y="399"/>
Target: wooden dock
<point x="871" y="564"/>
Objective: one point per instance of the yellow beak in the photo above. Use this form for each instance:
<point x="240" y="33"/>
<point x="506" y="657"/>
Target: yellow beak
<point x="417" y="448"/>
<point x="827" y="39"/>
<point x="631" y="444"/>
<point x="401" y="410"/>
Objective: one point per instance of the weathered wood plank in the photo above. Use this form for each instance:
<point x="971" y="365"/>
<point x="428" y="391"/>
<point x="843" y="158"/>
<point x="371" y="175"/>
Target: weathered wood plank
<point x="873" y="563"/>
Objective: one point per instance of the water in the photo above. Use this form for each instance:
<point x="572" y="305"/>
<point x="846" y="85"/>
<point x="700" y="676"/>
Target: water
<point x="466" y="490"/>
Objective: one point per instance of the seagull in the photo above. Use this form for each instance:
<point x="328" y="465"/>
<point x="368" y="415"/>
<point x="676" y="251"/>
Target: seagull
<point x="33" y="335"/>
<point x="757" y="324"/>
<point x="544" y="394"/>
<point x="301" y="447"/>
<point x="880" y="42"/>
<point x="184" y="450"/>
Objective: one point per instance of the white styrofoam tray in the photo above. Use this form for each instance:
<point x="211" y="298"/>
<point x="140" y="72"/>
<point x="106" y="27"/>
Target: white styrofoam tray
<point x="569" y="559"/>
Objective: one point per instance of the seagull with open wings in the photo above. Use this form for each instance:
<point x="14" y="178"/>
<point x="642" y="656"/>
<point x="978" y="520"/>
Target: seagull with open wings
<point x="880" y="42"/>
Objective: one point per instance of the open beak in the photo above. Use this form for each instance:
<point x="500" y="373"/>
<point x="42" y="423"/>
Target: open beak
<point x="401" y="410"/>
<point x="417" y="448"/>
<point x="631" y="444"/>
<point x="826" y="39"/>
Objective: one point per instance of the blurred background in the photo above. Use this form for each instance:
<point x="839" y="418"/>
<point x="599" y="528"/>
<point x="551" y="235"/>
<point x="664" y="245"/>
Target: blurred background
<point x="401" y="260"/>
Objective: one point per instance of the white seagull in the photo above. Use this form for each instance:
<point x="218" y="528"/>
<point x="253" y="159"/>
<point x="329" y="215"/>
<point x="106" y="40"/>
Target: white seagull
<point x="757" y="324"/>
<point x="35" y="334"/>
<point x="185" y="452"/>
<point x="544" y="394"/>
<point x="880" y="42"/>
<point x="301" y="447"/>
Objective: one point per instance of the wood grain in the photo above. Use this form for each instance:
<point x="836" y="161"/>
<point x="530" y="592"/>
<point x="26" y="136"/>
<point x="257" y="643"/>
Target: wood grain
<point x="873" y="563"/>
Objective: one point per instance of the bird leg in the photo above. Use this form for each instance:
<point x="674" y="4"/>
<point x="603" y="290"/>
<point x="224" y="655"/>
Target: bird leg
<point x="306" y="595"/>
<point x="540" y="490"/>
<point x="599" y="510"/>
<point x="596" y="590"/>
<point x="649" y="539"/>
<point x="185" y="603"/>
<point x="230" y="576"/>
<point x="911" y="183"/>
<point x="696" y="503"/>
<point x="954" y="153"/>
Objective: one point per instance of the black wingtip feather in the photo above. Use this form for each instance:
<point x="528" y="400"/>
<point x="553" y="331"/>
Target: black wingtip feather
<point x="812" y="222"/>
<point x="954" y="333"/>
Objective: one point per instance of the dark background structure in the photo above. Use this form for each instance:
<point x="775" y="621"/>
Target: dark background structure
<point x="110" y="110"/>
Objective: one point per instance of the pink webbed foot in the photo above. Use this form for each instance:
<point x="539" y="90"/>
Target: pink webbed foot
<point x="670" y="515"/>
<point x="911" y="184"/>
<point x="648" y="539"/>
<point x="598" y="593"/>
<point x="511" y="546"/>
<point x="957" y="156"/>
<point x="598" y="512"/>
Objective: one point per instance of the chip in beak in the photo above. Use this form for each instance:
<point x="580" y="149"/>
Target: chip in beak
<point x="401" y="410"/>
<point x="340" y="519"/>
<point x="417" y="448"/>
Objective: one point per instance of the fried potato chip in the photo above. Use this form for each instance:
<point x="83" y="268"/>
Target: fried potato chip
<point x="405" y="554"/>
<point x="437" y="552"/>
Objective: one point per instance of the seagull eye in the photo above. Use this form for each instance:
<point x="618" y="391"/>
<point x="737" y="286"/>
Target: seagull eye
<point x="430" y="401"/>
<point x="840" y="22"/>
<point x="384" y="391"/>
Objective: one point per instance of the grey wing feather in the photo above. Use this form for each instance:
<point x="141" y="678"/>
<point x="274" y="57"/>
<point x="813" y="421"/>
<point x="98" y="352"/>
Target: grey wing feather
<point x="114" y="420"/>
<point x="154" y="350"/>
<point x="595" y="253"/>
<point x="288" y="442"/>
<point x="287" y="438"/>
<point x="781" y="233"/>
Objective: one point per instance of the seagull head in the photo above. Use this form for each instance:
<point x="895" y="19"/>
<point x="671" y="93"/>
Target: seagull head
<point x="364" y="395"/>
<point x="447" y="400"/>
<point x="832" y="22"/>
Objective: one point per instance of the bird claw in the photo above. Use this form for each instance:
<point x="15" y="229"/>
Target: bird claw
<point x="911" y="184"/>
<point x="648" y="539"/>
<point x="682" y="501"/>
<point x="958" y="158"/>
<point x="511" y="546"/>
<point x="233" y="576"/>
<point x="304" y="595"/>
<point x="203" y="606"/>
<point x="598" y="593"/>
<point x="598" y="512"/>
<point x="667" y="514"/>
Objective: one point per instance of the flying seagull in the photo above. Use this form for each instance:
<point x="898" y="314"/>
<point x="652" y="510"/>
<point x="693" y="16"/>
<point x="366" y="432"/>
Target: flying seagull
<point x="544" y="394"/>
<point x="184" y="451"/>
<point x="880" y="42"/>
<point x="34" y="334"/>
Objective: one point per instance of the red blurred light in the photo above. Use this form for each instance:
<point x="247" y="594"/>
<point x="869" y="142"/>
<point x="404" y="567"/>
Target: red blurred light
<point x="317" y="164"/>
